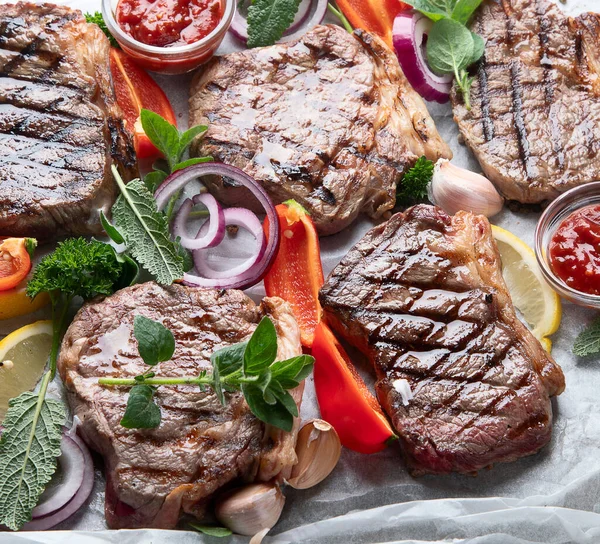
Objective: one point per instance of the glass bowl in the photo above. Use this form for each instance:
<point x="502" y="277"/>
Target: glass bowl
<point x="169" y="60"/>
<point x="553" y="216"/>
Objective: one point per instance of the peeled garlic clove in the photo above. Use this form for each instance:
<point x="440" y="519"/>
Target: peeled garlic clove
<point x="318" y="449"/>
<point x="453" y="189"/>
<point x="250" y="509"/>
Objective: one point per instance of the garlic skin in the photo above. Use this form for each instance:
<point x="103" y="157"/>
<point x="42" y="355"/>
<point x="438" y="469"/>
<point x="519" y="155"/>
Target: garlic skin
<point x="250" y="509"/>
<point x="258" y="537"/>
<point x="318" y="448"/>
<point x="453" y="189"/>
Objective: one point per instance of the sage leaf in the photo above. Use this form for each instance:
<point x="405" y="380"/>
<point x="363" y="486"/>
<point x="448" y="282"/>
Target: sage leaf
<point x="450" y="47"/>
<point x="588" y="341"/>
<point x="155" y="342"/>
<point x="141" y="411"/>
<point x="261" y="349"/>
<point x="111" y="230"/>
<point x="29" y="447"/>
<point x="146" y="232"/>
<point x="269" y="19"/>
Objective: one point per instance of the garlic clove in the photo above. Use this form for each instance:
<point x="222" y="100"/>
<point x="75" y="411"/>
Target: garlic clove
<point x="258" y="537"/>
<point x="453" y="189"/>
<point x="318" y="449"/>
<point x="250" y="509"/>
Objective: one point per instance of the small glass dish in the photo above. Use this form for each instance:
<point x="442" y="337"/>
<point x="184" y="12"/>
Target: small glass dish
<point x="169" y="60"/>
<point x="558" y="210"/>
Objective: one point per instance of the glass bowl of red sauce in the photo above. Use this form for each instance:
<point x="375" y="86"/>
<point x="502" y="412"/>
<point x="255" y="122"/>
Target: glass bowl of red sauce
<point x="567" y="244"/>
<point x="169" y="36"/>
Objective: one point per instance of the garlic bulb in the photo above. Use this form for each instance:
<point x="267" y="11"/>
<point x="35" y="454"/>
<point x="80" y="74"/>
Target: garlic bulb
<point x="453" y="189"/>
<point x="318" y="449"/>
<point x="251" y="509"/>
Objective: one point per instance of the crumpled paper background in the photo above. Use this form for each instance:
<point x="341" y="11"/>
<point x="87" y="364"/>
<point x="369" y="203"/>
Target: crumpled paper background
<point x="552" y="497"/>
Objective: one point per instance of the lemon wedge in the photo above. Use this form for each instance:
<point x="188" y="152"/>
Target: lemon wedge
<point x="15" y="302"/>
<point x="23" y="357"/>
<point x="532" y="296"/>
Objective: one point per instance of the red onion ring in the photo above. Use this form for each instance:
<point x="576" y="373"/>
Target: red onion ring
<point x="408" y="35"/>
<point x="239" y="24"/>
<point x="75" y="449"/>
<point x="256" y="272"/>
<point x="316" y="19"/>
<point x="215" y="232"/>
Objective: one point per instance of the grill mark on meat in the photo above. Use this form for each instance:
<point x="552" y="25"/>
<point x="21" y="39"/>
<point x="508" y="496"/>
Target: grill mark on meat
<point x="517" y="104"/>
<point x="482" y="75"/>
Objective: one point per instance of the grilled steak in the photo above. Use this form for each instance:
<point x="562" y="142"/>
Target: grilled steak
<point x="329" y="120"/>
<point x="60" y="128"/>
<point x="200" y="446"/>
<point x="534" y="125"/>
<point x="423" y="297"/>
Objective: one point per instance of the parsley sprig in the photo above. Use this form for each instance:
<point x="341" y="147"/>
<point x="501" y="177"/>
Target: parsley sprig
<point x="249" y="367"/>
<point x="97" y="19"/>
<point x="413" y="186"/>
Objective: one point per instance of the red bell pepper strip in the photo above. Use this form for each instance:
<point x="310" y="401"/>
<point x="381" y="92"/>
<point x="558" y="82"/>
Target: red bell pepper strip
<point x="344" y="399"/>
<point x="376" y="16"/>
<point x="136" y="90"/>
<point x="15" y="261"/>
<point x="296" y="275"/>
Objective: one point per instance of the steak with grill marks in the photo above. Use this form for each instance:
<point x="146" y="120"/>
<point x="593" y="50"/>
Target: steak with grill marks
<point x="534" y="125"/>
<point x="422" y="296"/>
<point x="154" y="475"/>
<point x="60" y="127"/>
<point x="328" y="119"/>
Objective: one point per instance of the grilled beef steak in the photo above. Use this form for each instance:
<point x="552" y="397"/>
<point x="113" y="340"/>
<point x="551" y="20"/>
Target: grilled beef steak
<point x="423" y="297"/>
<point x="329" y="120"/>
<point x="200" y="446"/>
<point x="534" y="125"/>
<point x="60" y="128"/>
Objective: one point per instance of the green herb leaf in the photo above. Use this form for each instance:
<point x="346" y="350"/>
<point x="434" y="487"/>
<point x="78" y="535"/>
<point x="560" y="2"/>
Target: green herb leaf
<point x="188" y="137"/>
<point x="162" y="134"/>
<point x="97" y="19"/>
<point x="146" y="232"/>
<point x="296" y="368"/>
<point x="31" y="245"/>
<point x="111" y="230"/>
<point x="226" y="361"/>
<point x="464" y="9"/>
<point x="153" y="179"/>
<point x="478" y="48"/>
<point x="413" y="186"/>
<point x="450" y="47"/>
<point x="277" y="415"/>
<point x="588" y="341"/>
<point x="141" y="411"/>
<point x="29" y="447"/>
<point x="285" y="399"/>
<point x="211" y="530"/>
<point x="186" y="256"/>
<point x="190" y="162"/>
<point x="155" y="342"/>
<point x="269" y="19"/>
<point x="262" y="348"/>
<point x="434" y="9"/>
<point x="130" y="271"/>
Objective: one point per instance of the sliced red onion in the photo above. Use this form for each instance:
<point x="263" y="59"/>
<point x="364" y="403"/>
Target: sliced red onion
<point x="77" y="452"/>
<point x="239" y="24"/>
<point x="240" y="217"/>
<point x="408" y="35"/>
<point x="215" y="232"/>
<point x="316" y="19"/>
<point x="264" y="257"/>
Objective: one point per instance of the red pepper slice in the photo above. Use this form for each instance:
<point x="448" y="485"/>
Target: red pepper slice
<point x="344" y="399"/>
<point x="296" y="275"/>
<point x="136" y="90"/>
<point x="15" y="262"/>
<point x="376" y="16"/>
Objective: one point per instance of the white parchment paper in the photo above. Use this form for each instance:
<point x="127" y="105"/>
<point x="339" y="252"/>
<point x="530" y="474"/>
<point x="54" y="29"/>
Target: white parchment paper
<point x="550" y="498"/>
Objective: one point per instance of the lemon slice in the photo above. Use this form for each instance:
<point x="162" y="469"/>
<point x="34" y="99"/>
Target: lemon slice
<point x="532" y="296"/>
<point x="23" y="354"/>
<point x="15" y="302"/>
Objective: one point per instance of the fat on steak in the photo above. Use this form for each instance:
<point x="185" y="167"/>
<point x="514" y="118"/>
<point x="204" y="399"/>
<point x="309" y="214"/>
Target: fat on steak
<point x="534" y="125"/>
<point x="155" y="475"/>
<point x="60" y="128"/>
<point x="328" y="119"/>
<point x="422" y="296"/>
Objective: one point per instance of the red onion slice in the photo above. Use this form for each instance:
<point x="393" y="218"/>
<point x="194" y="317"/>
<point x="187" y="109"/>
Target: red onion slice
<point x="216" y="223"/>
<point x="70" y="443"/>
<point x="239" y="24"/>
<point x="408" y="35"/>
<point x="316" y="19"/>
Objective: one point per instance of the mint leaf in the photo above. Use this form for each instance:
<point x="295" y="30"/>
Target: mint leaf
<point x="450" y="47"/>
<point x="434" y="9"/>
<point x="29" y="447"/>
<point x="187" y="138"/>
<point x="464" y="9"/>
<point x="141" y="411"/>
<point x="261" y="349"/>
<point x="110" y="230"/>
<point x="269" y="19"/>
<point x="162" y="134"/>
<point x="588" y="341"/>
<point x="190" y="162"/>
<point x="146" y="232"/>
<point x="152" y="180"/>
<point x="155" y="342"/>
<point x="478" y="48"/>
<point x="211" y="530"/>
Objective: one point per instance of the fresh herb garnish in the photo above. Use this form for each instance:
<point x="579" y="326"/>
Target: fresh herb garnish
<point x="211" y="530"/>
<point x="588" y="341"/>
<point x="451" y="46"/>
<point x="269" y="19"/>
<point x="249" y="366"/>
<point x="97" y="19"/>
<point x="413" y="185"/>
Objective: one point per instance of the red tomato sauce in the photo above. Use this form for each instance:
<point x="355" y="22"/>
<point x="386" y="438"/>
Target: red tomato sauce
<point x="168" y="23"/>
<point x="575" y="250"/>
